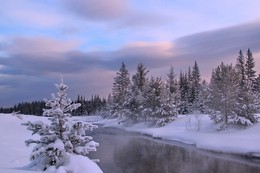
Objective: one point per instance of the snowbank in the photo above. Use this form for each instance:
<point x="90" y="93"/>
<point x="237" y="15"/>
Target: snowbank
<point x="14" y="154"/>
<point x="76" y="164"/>
<point x="185" y="129"/>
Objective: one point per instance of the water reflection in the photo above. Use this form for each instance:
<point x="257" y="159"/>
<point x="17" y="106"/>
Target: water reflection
<point x="125" y="153"/>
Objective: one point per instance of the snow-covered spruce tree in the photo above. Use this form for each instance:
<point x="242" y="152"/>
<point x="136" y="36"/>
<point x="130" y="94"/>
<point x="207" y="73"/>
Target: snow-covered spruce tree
<point x="249" y="67"/>
<point x="172" y="89"/>
<point x="169" y="100"/>
<point x="184" y="89"/>
<point x="203" y="97"/>
<point x="167" y="111"/>
<point x="195" y="89"/>
<point x="223" y="94"/>
<point x="119" y="91"/>
<point x="108" y="110"/>
<point x="247" y="105"/>
<point x="135" y="95"/>
<point x="257" y="86"/>
<point x="151" y="104"/>
<point x="60" y="137"/>
<point x="247" y="100"/>
<point x="190" y="86"/>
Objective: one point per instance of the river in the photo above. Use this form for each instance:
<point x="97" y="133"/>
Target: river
<point x="126" y="152"/>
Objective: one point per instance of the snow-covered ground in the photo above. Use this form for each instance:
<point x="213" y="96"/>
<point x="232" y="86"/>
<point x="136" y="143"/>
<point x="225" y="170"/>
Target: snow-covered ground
<point x="245" y="141"/>
<point x="14" y="154"/>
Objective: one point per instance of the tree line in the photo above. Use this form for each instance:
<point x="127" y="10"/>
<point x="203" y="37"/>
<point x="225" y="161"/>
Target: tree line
<point x="88" y="106"/>
<point x="28" y="108"/>
<point x="91" y="106"/>
<point x="230" y="97"/>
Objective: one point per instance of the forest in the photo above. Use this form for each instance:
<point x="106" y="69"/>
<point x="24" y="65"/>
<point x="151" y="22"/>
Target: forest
<point x="88" y="106"/>
<point x="230" y="97"/>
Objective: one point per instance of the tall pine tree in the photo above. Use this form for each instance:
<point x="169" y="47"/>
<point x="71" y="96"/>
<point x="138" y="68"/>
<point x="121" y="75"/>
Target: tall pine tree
<point x="195" y="88"/>
<point x="135" y="96"/>
<point x="246" y="98"/>
<point x="223" y="94"/>
<point x="249" y="67"/>
<point x="120" y="87"/>
<point x="172" y="90"/>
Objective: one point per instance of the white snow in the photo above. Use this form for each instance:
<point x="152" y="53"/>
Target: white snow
<point x="14" y="154"/>
<point x="245" y="141"/>
<point x="77" y="164"/>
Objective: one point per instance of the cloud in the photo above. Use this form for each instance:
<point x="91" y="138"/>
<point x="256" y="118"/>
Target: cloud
<point x="37" y="55"/>
<point x="86" y="72"/>
<point x="143" y="19"/>
<point x="30" y="56"/>
<point x="97" y="9"/>
<point x="39" y="45"/>
<point x="210" y="48"/>
<point x="153" y="54"/>
<point x="222" y="41"/>
<point x="30" y="13"/>
<point x="38" y="62"/>
<point x="116" y="13"/>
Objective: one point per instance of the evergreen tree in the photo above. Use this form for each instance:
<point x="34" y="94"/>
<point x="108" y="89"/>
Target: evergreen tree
<point x="61" y="137"/>
<point x="223" y="94"/>
<point x="140" y="77"/>
<point x="152" y="93"/>
<point x="172" y="90"/>
<point x="247" y="105"/>
<point x="120" y="87"/>
<point x="203" y="97"/>
<point x="240" y="65"/>
<point x="184" y="93"/>
<point x="246" y="98"/>
<point x="167" y="111"/>
<point x="81" y="109"/>
<point x="195" y="88"/>
<point x="108" y="109"/>
<point x="257" y="85"/>
<point x="135" y="95"/>
<point x="249" y="67"/>
<point x="171" y="82"/>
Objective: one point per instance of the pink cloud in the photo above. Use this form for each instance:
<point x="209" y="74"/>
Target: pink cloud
<point x="161" y="49"/>
<point x="40" y="45"/>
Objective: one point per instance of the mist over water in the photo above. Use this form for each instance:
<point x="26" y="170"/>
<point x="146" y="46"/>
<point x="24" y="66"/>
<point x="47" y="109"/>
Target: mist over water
<point x="123" y="152"/>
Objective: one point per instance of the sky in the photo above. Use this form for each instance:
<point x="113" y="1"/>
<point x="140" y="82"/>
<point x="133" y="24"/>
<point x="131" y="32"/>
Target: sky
<point x="85" y="41"/>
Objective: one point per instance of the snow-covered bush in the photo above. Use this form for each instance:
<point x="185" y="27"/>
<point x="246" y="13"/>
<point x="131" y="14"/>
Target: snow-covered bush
<point x="164" y="121"/>
<point x="60" y="137"/>
<point x="239" y="120"/>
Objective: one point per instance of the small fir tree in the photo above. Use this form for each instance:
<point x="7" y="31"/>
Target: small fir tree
<point x="61" y="137"/>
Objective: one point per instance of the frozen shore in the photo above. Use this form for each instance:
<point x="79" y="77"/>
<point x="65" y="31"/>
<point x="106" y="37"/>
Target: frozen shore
<point x="243" y="141"/>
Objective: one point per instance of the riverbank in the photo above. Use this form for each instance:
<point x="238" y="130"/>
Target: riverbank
<point x="199" y="131"/>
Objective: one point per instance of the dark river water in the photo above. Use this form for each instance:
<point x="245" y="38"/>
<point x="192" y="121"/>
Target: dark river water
<point x="125" y="152"/>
